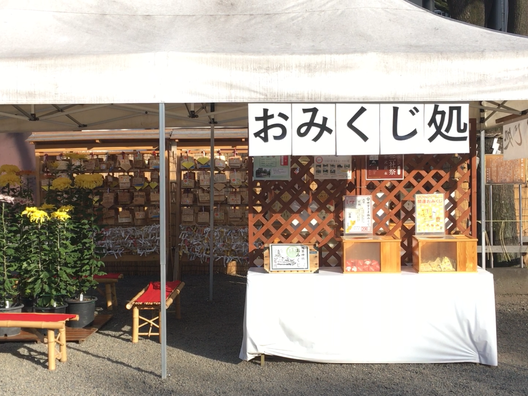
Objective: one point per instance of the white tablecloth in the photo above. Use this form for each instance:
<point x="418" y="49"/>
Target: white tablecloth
<point x="371" y="318"/>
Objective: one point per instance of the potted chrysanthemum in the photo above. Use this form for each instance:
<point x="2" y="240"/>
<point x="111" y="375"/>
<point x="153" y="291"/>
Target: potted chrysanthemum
<point x="14" y="193"/>
<point x="46" y="273"/>
<point x="78" y="194"/>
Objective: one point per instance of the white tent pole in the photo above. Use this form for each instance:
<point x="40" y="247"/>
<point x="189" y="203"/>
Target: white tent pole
<point x="211" y="213"/>
<point x="163" y="239"/>
<point x="483" y="197"/>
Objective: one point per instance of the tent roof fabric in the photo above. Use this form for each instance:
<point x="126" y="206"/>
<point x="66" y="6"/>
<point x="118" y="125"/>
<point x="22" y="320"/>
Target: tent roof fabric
<point x="132" y="51"/>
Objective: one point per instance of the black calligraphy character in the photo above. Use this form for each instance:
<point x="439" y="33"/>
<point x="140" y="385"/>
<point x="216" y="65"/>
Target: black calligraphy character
<point x="438" y="126"/>
<point x="263" y="133"/>
<point x="353" y="119"/>
<point x="395" y="135"/>
<point x="509" y="137"/>
<point x="308" y="125"/>
<point x="518" y="130"/>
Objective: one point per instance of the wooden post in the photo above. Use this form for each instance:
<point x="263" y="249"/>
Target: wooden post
<point x="135" y="324"/>
<point x="51" y="349"/>
<point x="62" y="344"/>
<point x="108" y="295"/>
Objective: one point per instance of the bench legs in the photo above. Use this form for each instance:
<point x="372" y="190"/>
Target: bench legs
<point x="153" y="323"/>
<point x="53" y="354"/>
<point x="110" y="294"/>
<point x="135" y="324"/>
<point x="144" y="305"/>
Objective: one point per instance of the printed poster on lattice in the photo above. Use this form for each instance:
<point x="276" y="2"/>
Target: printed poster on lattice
<point x="275" y="167"/>
<point x="332" y="167"/>
<point x="430" y="214"/>
<point x="357" y="214"/>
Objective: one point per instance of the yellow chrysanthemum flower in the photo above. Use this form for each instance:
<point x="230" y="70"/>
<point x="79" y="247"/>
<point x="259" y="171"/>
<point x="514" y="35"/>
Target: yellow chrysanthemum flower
<point x="29" y="209"/>
<point x="47" y="206"/>
<point x="61" y="184"/>
<point x="9" y="169"/>
<point x="61" y="216"/>
<point x="9" y="178"/>
<point x="89" y="181"/>
<point x="65" y="208"/>
<point x="36" y="215"/>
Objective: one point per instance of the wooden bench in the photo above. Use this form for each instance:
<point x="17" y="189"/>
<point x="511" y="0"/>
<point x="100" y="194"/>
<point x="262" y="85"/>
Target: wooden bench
<point x="109" y="281"/>
<point x="49" y="321"/>
<point x="148" y="299"/>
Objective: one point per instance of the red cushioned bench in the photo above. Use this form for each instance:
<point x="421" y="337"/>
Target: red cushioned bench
<point x="149" y="299"/>
<point x="109" y="281"/>
<point x="49" y="321"/>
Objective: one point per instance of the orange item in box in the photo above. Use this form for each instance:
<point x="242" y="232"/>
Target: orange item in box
<point x="369" y="254"/>
<point x="367" y="265"/>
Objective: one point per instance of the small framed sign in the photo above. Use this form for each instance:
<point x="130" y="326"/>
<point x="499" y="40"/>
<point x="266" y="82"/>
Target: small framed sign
<point x="291" y="257"/>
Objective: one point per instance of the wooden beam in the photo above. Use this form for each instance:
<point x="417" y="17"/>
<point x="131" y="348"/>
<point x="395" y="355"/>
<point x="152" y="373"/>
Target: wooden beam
<point x="512" y="117"/>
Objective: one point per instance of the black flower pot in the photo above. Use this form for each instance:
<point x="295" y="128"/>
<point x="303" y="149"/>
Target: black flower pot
<point x="58" y="309"/>
<point x="11" y="331"/>
<point x="85" y="309"/>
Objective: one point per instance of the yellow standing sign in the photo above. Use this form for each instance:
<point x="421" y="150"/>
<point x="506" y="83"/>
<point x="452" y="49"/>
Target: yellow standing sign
<point x="430" y="214"/>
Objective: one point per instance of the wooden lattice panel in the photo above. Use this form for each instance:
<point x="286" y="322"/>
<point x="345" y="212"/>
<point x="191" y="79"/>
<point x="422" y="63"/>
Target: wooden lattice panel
<point x="296" y="211"/>
<point x="308" y="210"/>
<point x="393" y="211"/>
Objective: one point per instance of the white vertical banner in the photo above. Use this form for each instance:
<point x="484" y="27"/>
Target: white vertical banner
<point x="357" y="128"/>
<point x="401" y="128"/>
<point x="313" y="129"/>
<point x="270" y="129"/>
<point x="515" y="140"/>
<point x="446" y="128"/>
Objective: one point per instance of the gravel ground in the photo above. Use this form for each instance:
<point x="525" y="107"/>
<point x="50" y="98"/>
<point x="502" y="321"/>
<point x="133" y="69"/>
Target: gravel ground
<point x="202" y="357"/>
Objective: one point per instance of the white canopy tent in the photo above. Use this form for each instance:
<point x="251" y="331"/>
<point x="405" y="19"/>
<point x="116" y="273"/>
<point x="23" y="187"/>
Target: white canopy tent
<point x="101" y="64"/>
<point x="54" y="52"/>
